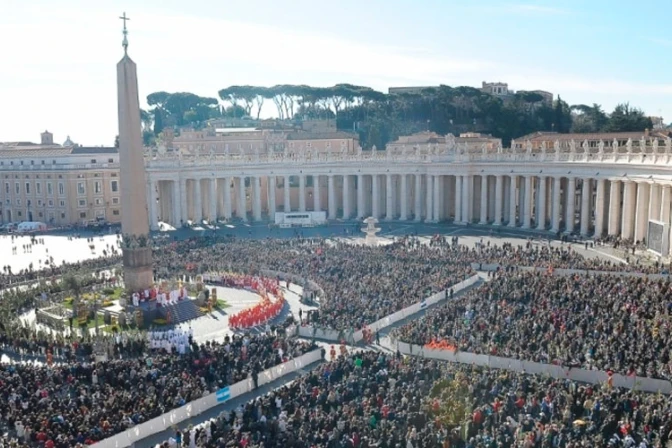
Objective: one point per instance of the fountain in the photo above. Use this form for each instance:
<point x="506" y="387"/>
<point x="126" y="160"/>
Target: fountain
<point x="371" y="230"/>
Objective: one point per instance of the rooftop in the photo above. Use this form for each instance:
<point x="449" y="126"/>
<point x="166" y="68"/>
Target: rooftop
<point x="606" y="136"/>
<point x="53" y="151"/>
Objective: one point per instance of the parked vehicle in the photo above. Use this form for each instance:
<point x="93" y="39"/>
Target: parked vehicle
<point x="31" y="226"/>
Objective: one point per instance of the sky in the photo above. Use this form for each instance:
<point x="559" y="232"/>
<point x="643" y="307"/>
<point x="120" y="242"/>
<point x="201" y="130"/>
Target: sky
<point x="57" y="58"/>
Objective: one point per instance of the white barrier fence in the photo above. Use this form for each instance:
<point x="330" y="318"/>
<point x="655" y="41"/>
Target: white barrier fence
<point x="356" y="336"/>
<point x="196" y="407"/>
<point x="561" y="272"/>
<point x="516" y="365"/>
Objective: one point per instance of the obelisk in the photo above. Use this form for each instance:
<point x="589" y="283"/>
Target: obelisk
<point x="137" y="253"/>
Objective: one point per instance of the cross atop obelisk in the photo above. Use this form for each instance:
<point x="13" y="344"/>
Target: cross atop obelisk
<point x="124" y="43"/>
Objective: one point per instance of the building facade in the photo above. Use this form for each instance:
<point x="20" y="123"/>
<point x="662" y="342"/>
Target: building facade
<point x="58" y="185"/>
<point x="590" y="187"/>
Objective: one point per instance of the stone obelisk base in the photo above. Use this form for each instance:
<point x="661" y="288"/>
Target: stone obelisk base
<point x="138" y="272"/>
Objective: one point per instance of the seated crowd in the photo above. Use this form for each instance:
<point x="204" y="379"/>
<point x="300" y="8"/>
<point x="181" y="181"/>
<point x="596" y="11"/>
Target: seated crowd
<point x="84" y="402"/>
<point x="603" y="322"/>
<point x="377" y="400"/>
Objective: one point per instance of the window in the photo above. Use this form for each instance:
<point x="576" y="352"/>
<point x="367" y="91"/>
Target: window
<point x="115" y="200"/>
<point x="115" y="186"/>
<point x="32" y="162"/>
<point x="114" y="175"/>
<point x="82" y="202"/>
<point x="43" y="162"/>
<point x="99" y="201"/>
<point x="29" y="202"/>
<point x="97" y="188"/>
<point x="82" y="214"/>
<point x="61" y="189"/>
<point x="110" y="160"/>
<point x="6" y="187"/>
<point x="19" y="213"/>
<point x="39" y="214"/>
<point x="51" y="216"/>
<point x="27" y="187"/>
<point x="115" y="212"/>
<point x="38" y="188"/>
<point x="39" y="202"/>
<point x="17" y="188"/>
<point x="61" y="203"/>
<point x="93" y="160"/>
<point x="62" y="215"/>
<point x="50" y="189"/>
<point x="18" y="202"/>
<point x="50" y="202"/>
<point x="81" y="188"/>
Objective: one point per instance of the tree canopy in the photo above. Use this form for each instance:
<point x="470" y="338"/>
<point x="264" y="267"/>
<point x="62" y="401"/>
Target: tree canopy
<point x="379" y="117"/>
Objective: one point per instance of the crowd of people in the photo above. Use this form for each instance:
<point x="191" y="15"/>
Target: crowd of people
<point x="83" y="402"/>
<point x="360" y="284"/>
<point x="376" y="400"/>
<point x="595" y="321"/>
<point x="602" y="322"/>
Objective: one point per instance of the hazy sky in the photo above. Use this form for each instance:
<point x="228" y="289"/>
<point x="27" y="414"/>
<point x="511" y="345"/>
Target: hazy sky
<point x="57" y="58"/>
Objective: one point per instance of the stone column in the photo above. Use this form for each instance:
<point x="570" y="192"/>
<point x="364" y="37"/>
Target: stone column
<point x="317" y="200"/>
<point x="347" y="212"/>
<point x="153" y="207"/>
<point x="429" y="191"/>
<point x="331" y="197"/>
<point x="213" y="201"/>
<point x="499" y="199"/>
<point x="360" y="196"/>
<point x="555" y="209"/>
<point x="586" y="193"/>
<point x="198" y="202"/>
<point x="467" y="199"/>
<point x="302" y="193"/>
<point x="614" y="208"/>
<point x="389" y="198"/>
<point x="418" y="197"/>
<point x="256" y="203"/>
<point x="484" y="199"/>
<point x="571" y="209"/>
<point x="286" y="190"/>
<point x="458" y="200"/>
<point x="541" y="208"/>
<point x="628" y="213"/>
<point x="403" y="215"/>
<point x="242" y="200"/>
<point x="227" y="198"/>
<point x="642" y="222"/>
<point x="665" y="204"/>
<point x="513" y="196"/>
<point x="600" y="191"/>
<point x="271" y="186"/>
<point x="654" y="202"/>
<point x="527" y="207"/>
<point x="177" y="205"/>
<point x="375" y="197"/>
<point x="437" y="198"/>
<point x="184" y="208"/>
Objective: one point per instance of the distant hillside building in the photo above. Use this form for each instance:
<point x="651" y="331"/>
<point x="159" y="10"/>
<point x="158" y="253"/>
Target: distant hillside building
<point x="496" y="88"/>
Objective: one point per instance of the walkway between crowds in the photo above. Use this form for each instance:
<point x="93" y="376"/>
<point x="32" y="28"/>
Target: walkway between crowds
<point x="230" y="405"/>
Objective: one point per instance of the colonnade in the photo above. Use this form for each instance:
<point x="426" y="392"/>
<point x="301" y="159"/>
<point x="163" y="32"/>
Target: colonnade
<point x="588" y="205"/>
